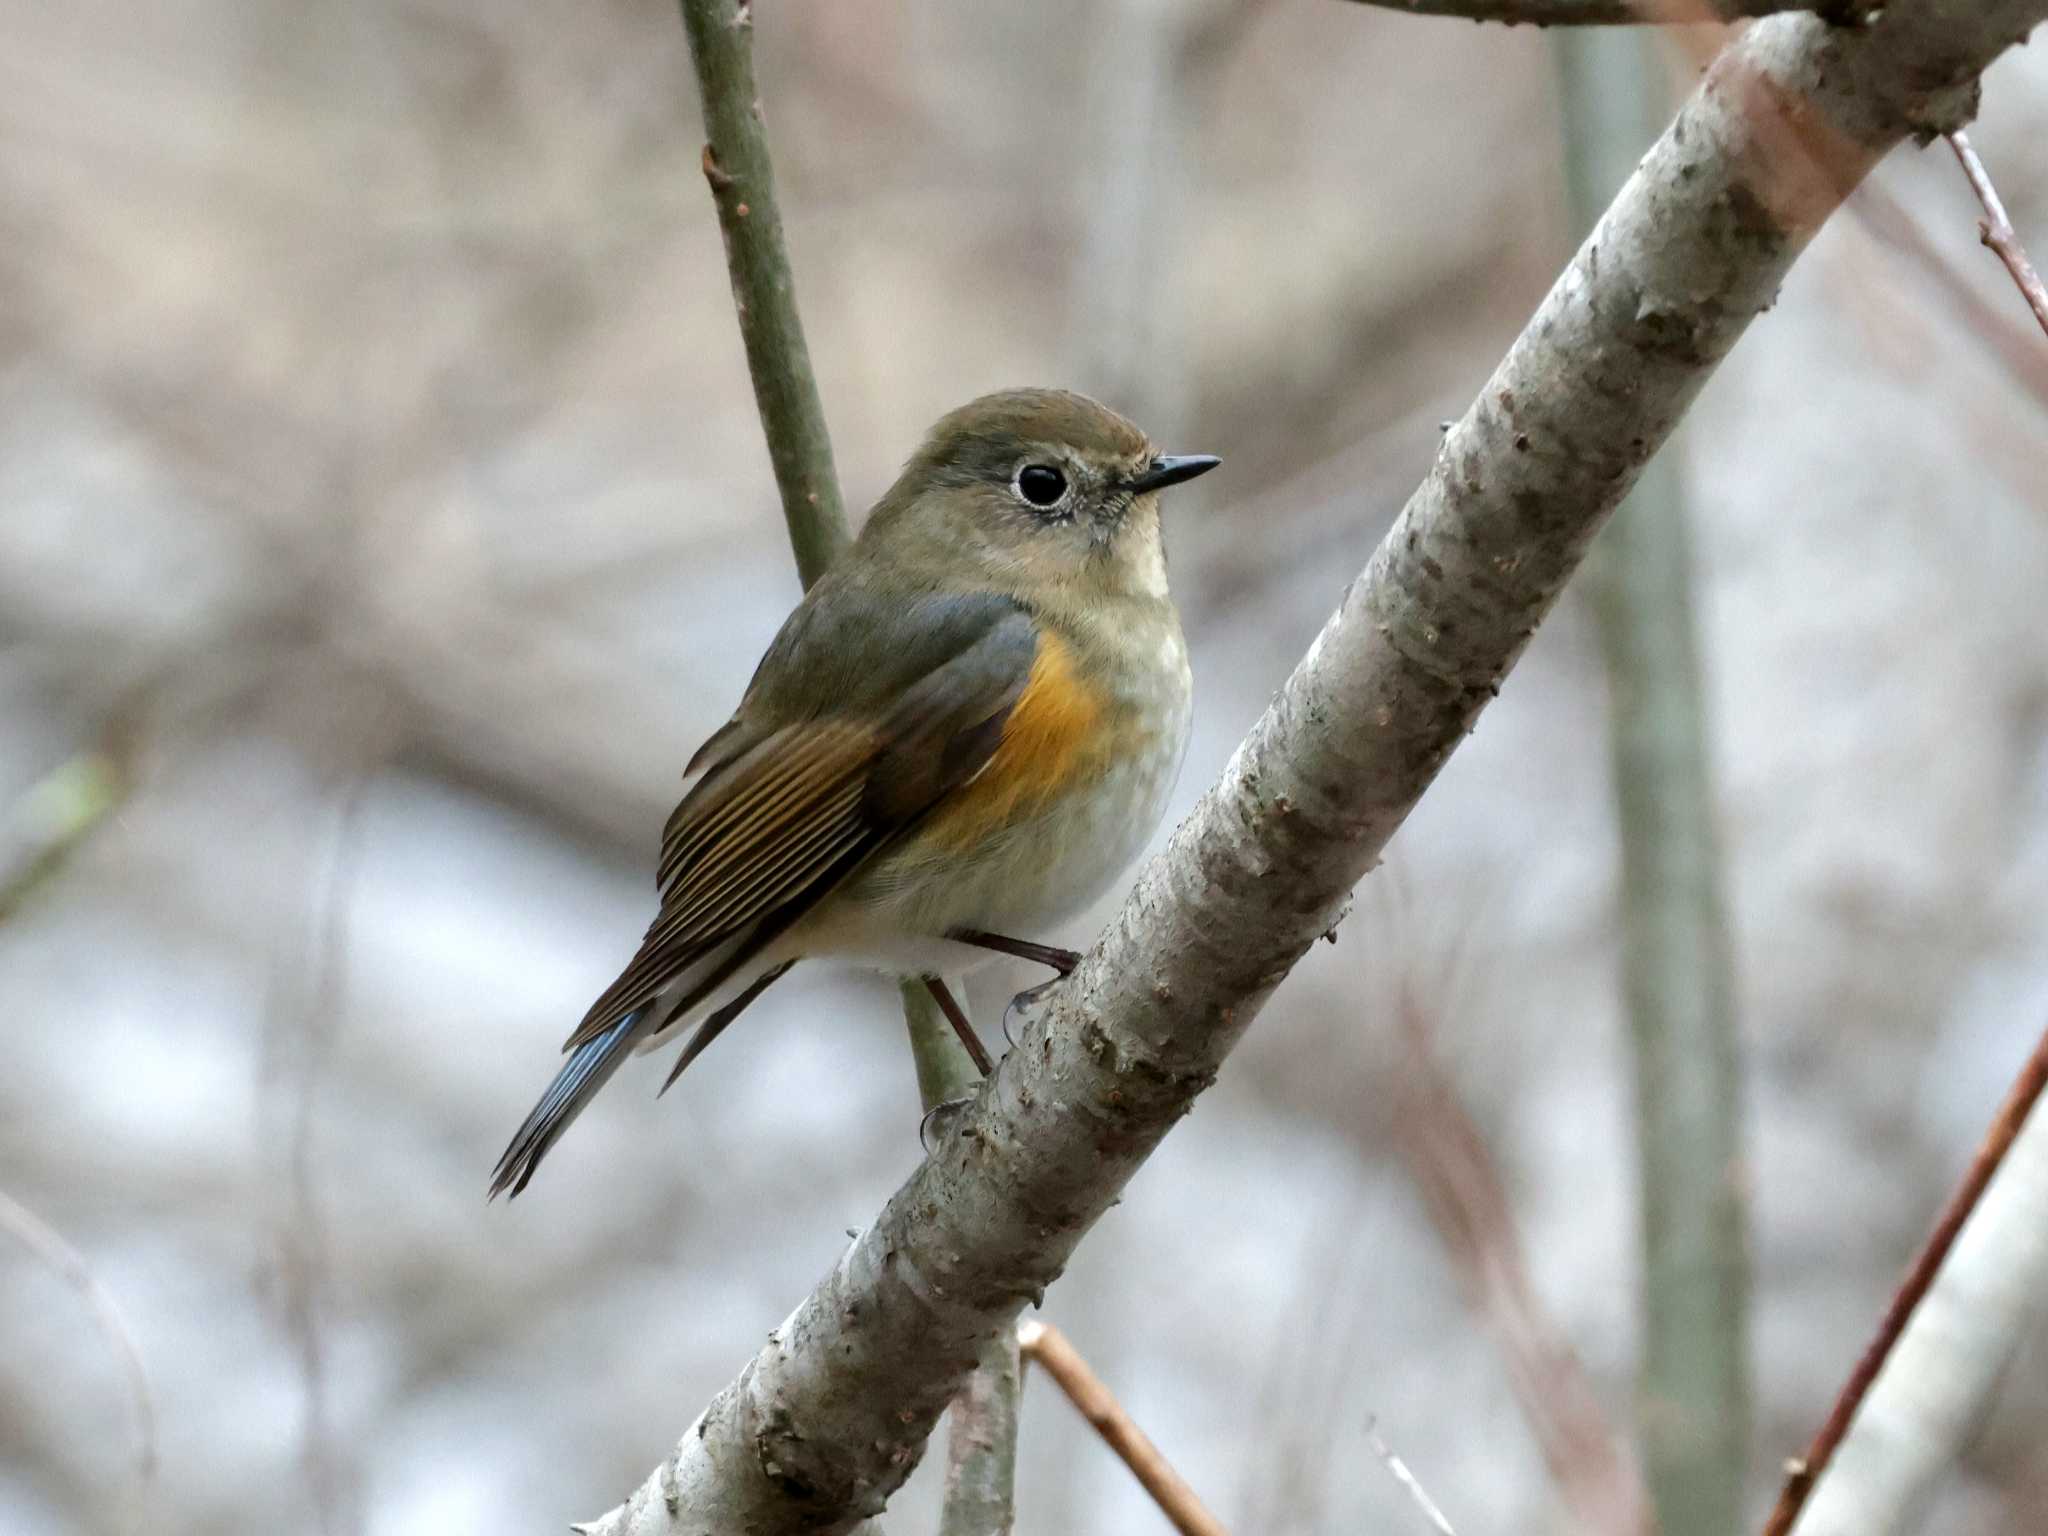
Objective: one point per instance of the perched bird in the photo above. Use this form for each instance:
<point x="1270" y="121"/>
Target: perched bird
<point x="966" y="730"/>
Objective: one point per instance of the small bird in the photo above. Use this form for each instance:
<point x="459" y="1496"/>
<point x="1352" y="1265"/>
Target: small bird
<point x="967" y="729"/>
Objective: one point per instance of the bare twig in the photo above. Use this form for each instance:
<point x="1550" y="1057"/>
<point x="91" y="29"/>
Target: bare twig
<point x="1410" y="1483"/>
<point x="1607" y="13"/>
<point x="1996" y="230"/>
<point x="1046" y="1347"/>
<point x="826" y="1420"/>
<point x="1930" y="1400"/>
<point x="70" y="1266"/>
<point x="1807" y="1470"/>
<point x="2007" y="339"/>
<point x="1461" y="1188"/>
<point x="742" y="184"/>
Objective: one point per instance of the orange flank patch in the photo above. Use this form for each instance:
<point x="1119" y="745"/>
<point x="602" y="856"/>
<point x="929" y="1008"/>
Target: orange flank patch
<point x="1055" y="739"/>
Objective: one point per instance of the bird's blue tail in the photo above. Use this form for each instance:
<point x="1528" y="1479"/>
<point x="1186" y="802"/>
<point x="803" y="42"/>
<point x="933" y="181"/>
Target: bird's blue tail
<point x="586" y="1071"/>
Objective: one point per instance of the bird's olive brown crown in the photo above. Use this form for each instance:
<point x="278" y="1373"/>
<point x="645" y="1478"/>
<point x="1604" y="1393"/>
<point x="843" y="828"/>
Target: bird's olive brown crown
<point x="1060" y="456"/>
<point x="1029" y="480"/>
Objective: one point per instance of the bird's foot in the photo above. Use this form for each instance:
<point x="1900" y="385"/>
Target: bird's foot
<point x="1024" y="1002"/>
<point x="938" y="1118"/>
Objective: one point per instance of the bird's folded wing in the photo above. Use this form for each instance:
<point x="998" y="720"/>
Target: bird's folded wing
<point x="754" y="845"/>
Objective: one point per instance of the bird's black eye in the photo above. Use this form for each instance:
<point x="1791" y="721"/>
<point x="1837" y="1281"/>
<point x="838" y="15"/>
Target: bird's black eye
<point x="1041" y="485"/>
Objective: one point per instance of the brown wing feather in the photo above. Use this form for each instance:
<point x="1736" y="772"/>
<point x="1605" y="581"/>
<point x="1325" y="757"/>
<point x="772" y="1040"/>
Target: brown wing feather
<point x="774" y="827"/>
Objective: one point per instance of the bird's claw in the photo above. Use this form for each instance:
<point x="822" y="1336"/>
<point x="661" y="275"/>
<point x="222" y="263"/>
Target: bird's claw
<point x="1024" y="1002"/>
<point x="945" y="1110"/>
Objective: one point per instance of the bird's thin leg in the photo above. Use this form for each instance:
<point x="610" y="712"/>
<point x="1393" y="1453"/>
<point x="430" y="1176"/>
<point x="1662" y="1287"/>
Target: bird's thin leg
<point x="957" y="1017"/>
<point x="1061" y="960"/>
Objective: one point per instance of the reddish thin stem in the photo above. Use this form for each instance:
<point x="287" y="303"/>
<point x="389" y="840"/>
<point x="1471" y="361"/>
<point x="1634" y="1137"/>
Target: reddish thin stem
<point x="1996" y="230"/>
<point x="1804" y="1473"/>
<point x="1046" y="1347"/>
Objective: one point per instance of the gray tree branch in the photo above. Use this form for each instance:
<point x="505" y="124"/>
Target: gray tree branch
<point x="1609" y="13"/>
<point x="828" y="1418"/>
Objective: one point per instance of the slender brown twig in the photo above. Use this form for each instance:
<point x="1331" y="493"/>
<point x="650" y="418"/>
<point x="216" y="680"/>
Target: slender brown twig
<point x="1802" y="1474"/>
<point x="70" y="1266"/>
<point x="1996" y="230"/>
<point x="1045" y="1346"/>
<point x="742" y="182"/>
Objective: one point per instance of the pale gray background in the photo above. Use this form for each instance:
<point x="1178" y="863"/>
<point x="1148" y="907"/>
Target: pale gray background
<point x="376" y="450"/>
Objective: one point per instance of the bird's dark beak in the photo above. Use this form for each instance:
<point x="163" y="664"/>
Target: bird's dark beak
<point x="1171" y="469"/>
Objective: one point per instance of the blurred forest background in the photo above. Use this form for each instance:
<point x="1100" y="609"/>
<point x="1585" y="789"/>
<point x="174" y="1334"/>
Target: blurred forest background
<point x="383" y="519"/>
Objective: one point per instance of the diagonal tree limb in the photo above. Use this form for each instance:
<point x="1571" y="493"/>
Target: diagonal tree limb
<point x="827" y="1420"/>
<point x="1610" y="13"/>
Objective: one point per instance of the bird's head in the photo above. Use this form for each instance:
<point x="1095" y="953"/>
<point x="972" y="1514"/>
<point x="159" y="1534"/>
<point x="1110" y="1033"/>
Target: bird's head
<point x="1036" y="488"/>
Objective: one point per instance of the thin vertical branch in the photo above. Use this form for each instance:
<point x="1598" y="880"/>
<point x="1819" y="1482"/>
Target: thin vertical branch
<point x="303" y="1010"/>
<point x="981" y="1447"/>
<point x="981" y="1442"/>
<point x="982" y="1456"/>
<point x="1677" y="976"/>
<point x="764" y="293"/>
<point x="2018" y="1221"/>
<point x="1996" y="230"/>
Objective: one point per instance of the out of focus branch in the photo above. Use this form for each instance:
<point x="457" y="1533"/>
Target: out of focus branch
<point x="1974" y="1318"/>
<point x="69" y="1265"/>
<point x="764" y="293"/>
<point x="1410" y="1483"/>
<point x="57" y="814"/>
<point x="1047" y="1348"/>
<point x="1608" y="13"/>
<point x="827" y="1419"/>
<point x="1996" y="230"/>
<point x="1678" y="984"/>
<point x="1460" y="1184"/>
